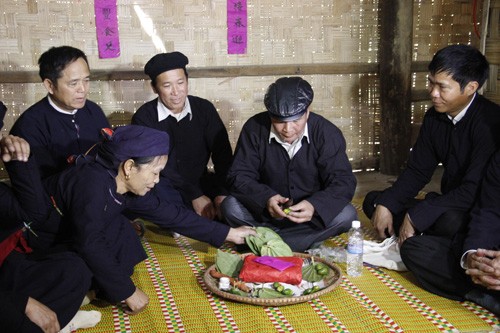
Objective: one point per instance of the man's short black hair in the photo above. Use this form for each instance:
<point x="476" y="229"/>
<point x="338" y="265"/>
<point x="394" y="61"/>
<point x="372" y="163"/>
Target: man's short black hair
<point x="53" y="61"/>
<point x="463" y="62"/>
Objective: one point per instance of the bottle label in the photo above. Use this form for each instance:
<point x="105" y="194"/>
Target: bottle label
<point x="355" y="248"/>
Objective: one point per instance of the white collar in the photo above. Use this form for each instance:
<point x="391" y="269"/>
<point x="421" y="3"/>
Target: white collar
<point x="164" y="112"/>
<point x="462" y="113"/>
<point x="58" y="109"/>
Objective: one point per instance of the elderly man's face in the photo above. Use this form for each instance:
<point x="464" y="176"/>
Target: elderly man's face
<point x="71" y="89"/>
<point x="289" y="131"/>
<point x="172" y="89"/>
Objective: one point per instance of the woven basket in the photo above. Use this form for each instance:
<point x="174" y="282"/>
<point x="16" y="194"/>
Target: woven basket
<point x="331" y="281"/>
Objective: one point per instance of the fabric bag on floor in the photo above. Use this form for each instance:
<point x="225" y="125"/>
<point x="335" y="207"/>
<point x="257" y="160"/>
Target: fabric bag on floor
<point x="383" y="254"/>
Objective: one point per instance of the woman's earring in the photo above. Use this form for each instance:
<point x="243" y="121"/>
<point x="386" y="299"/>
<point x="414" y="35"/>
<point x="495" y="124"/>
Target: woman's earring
<point x="127" y="177"/>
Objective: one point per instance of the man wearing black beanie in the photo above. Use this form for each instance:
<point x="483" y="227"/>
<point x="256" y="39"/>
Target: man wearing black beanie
<point x="197" y="135"/>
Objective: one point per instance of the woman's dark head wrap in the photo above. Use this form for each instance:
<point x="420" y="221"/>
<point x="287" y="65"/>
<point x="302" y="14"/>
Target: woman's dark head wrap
<point x="130" y="142"/>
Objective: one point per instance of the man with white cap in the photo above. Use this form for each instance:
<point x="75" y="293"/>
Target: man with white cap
<point x="289" y="154"/>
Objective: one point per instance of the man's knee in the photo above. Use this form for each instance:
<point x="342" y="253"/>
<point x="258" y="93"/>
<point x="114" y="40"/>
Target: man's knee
<point x="351" y="212"/>
<point x="232" y="211"/>
<point x="449" y="224"/>
<point x="343" y="220"/>
<point x="416" y="251"/>
<point x="408" y="248"/>
<point x="227" y="205"/>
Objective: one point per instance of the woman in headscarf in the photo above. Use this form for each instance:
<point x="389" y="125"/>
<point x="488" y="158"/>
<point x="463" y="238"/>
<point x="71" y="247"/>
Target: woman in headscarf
<point x="92" y="196"/>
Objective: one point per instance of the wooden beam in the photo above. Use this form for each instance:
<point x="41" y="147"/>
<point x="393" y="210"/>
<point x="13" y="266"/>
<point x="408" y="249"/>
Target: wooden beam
<point x="395" y="50"/>
<point x="228" y="71"/>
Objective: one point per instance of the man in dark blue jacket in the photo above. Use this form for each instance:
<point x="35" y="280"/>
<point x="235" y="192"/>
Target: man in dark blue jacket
<point x="65" y="122"/>
<point x="461" y="132"/>
<point x="197" y="135"/>
<point x="291" y="154"/>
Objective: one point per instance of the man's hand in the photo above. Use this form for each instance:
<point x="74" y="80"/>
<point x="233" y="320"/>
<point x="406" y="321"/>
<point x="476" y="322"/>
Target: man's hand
<point x="484" y="268"/>
<point x="137" y="302"/>
<point x="301" y="212"/>
<point x="382" y="221"/>
<point x="237" y="235"/>
<point x="406" y="231"/>
<point x="203" y="206"/>
<point x="14" y="148"/>
<point x="274" y="206"/>
<point x="42" y="316"/>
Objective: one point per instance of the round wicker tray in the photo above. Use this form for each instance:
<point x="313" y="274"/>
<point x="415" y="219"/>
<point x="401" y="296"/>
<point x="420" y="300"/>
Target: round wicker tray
<point x="331" y="281"/>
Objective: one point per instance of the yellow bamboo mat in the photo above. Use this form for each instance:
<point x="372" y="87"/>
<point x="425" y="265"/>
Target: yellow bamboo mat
<point x="380" y="300"/>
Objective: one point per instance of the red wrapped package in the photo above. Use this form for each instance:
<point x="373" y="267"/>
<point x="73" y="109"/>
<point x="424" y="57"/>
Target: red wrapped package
<point x="252" y="271"/>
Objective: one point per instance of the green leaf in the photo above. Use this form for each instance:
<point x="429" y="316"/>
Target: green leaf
<point x="310" y="274"/>
<point x="254" y="243"/>
<point x="267" y="243"/>
<point x="278" y="248"/>
<point x="266" y="234"/>
<point x="265" y="250"/>
<point x="238" y="292"/>
<point x="268" y="293"/>
<point x="228" y="263"/>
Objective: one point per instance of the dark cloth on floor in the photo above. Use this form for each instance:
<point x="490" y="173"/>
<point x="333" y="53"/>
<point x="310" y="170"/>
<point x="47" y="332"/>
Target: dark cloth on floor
<point x="319" y="172"/>
<point x="59" y="281"/>
<point x="194" y="140"/>
<point x="464" y="150"/>
<point x="94" y="226"/>
<point x="54" y="136"/>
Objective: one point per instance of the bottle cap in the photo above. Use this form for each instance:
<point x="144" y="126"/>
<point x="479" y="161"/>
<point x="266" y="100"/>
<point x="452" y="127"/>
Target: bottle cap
<point x="356" y="224"/>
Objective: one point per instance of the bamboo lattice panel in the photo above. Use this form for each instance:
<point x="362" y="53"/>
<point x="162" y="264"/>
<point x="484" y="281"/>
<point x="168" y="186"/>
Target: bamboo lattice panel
<point x="279" y="32"/>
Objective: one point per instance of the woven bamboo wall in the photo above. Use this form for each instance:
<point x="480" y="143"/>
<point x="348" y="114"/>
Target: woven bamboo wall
<point x="492" y="51"/>
<point x="279" y="32"/>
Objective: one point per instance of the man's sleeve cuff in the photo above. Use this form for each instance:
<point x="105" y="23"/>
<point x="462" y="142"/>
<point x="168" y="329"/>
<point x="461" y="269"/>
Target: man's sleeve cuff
<point x="463" y="261"/>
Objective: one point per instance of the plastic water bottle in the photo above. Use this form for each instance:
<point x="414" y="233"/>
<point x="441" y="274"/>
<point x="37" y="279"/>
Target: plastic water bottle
<point x="355" y="250"/>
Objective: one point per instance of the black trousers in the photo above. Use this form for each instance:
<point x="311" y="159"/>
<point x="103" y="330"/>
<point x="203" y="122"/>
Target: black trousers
<point x="435" y="262"/>
<point x="59" y="281"/>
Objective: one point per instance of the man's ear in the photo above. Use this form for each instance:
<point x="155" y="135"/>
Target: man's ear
<point x="154" y="88"/>
<point x="471" y="87"/>
<point x="49" y="86"/>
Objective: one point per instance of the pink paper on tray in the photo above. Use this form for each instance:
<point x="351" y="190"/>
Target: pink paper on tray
<point x="274" y="262"/>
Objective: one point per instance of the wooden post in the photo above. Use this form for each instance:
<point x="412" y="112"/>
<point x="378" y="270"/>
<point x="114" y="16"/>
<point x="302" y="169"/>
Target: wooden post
<point x="395" y="53"/>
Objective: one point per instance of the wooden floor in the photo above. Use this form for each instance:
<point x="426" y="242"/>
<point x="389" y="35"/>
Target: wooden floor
<point x="372" y="180"/>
